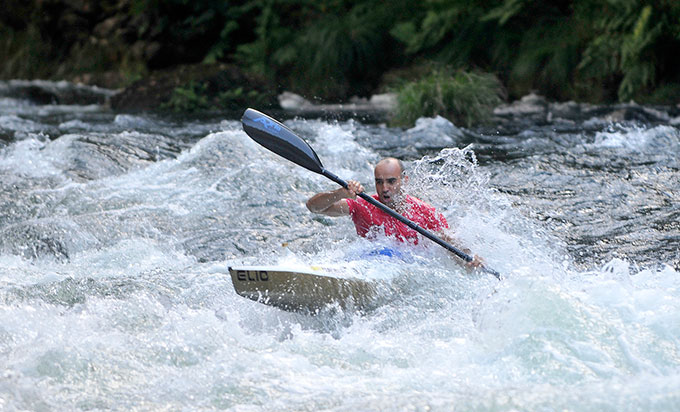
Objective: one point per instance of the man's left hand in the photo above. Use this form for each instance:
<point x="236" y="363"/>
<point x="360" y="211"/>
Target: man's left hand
<point x="475" y="263"/>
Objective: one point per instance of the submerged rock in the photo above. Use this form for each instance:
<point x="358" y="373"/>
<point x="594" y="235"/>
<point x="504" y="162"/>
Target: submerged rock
<point x="537" y="110"/>
<point x="43" y="92"/>
<point x="40" y="238"/>
<point x="529" y="105"/>
<point x="374" y="109"/>
<point x="295" y="102"/>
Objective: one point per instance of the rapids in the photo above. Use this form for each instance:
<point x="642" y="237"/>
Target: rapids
<point x="116" y="232"/>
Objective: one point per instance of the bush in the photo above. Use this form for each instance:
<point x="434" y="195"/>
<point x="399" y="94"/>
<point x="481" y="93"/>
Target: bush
<point x="189" y="98"/>
<point x="337" y="50"/>
<point x="635" y="42"/>
<point x="462" y="97"/>
<point x="206" y="97"/>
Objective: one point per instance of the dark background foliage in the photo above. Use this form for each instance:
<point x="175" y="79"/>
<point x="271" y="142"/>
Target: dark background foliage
<point x="587" y="50"/>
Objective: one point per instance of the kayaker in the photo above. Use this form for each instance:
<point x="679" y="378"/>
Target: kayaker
<point x="370" y="220"/>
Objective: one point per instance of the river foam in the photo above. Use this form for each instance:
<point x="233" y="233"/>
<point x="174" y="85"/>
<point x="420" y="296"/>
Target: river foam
<point x="118" y="232"/>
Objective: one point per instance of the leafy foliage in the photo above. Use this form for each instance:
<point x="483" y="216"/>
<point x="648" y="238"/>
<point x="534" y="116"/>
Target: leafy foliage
<point x="450" y="31"/>
<point x="197" y="97"/>
<point x="627" y="37"/>
<point x="273" y="32"/>
<point x="352" y="51"/>
<point x="189" y="98"/>
<point x="594" y="50"/>
<point x="566" y="49"/>
<point x="341" y="47"/>
<point x="462" y="97"/>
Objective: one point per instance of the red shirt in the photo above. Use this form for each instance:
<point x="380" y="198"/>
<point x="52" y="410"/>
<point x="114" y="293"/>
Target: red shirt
<point x="368" y="218"/>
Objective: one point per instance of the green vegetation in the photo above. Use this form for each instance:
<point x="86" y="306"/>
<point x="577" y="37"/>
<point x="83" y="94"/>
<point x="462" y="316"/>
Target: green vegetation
<point x="191" y="98"/>
<point x="328" y="50"/>
<point x="197" y="97"/>
<point x="463" y="97"/>
<point x="634" y="45"/>
<point x="339" y="49"/>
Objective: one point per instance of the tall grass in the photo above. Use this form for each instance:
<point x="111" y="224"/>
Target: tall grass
<point x="465" y="98"/>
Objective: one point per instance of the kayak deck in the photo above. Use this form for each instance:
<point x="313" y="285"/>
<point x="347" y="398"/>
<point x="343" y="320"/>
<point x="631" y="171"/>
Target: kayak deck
<point x="302" y="290"/>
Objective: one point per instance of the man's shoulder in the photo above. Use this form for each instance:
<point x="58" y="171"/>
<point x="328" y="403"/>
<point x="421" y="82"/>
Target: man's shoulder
<point x="429" y="216"/>
<point x="419" y="203"/>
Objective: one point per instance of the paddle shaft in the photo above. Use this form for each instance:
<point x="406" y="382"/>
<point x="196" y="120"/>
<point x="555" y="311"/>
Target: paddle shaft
<point x="409" y="223"/>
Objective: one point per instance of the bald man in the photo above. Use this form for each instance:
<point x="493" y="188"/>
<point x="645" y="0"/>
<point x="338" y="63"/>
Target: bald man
<point x="370" y="220"/>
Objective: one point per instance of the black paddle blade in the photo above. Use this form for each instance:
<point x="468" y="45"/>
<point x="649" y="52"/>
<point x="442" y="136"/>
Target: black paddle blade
<point x="280" y="140"/>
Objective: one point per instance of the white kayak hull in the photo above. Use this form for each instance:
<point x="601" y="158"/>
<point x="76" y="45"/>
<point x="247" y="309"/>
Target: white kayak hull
<point x="308" y="290"/>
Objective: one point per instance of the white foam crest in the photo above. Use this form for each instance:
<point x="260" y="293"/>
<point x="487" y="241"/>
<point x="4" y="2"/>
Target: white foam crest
<point x="638" y="295"/>
<point x="127" y="258"/>
<point x="11" y="106"/>
<point x="434" y="132"/>
<point x="75" y="124"/>
<point x="638" y="138"/>
<point x="131" y="121"/>
<point x="452" y="172"/>
<point x="131" y="344"/>
<point x="340" y="153"/>
<point x="57" y="109"/>
<point x="20" y="125"/>
<point x="479" y="217"/>
<point x="597" y="325"/>
<point x="36" y="157"/>
<point x="57" y="85"/>
<point x="217" y="141"/>
<point x="183" y="186"/>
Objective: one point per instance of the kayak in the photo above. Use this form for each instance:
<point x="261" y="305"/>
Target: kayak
<point x="309" y="289"/>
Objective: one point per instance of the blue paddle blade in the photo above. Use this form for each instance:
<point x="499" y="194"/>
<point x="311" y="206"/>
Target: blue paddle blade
<point x="280" y="140"/>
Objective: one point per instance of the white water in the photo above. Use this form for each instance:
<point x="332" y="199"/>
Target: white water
<point x="114" y="292"/>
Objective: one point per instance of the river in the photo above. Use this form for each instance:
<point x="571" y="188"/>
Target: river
<point x="116" y="232"/>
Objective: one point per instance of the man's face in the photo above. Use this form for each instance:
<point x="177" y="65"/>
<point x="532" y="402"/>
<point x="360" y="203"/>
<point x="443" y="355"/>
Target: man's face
<point x="388" y="182"/>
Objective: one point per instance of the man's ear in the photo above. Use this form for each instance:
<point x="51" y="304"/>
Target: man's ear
<point x="404" y="178"/>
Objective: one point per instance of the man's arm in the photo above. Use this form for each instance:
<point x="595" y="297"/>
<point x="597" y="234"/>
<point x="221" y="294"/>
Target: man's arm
<point x="333" y="203"/>
<point x="476" y="260"/>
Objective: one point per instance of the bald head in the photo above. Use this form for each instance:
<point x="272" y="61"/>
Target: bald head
<point x="391" y="162"/>
<point x="389" y="175"/>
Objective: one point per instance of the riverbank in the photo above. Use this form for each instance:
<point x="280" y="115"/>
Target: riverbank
<point x="150" y="95"/>
<point x="585" y="51"/>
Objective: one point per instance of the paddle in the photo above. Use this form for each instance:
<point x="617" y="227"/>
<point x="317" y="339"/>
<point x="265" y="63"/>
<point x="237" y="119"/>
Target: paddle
<point x="282" y="141"/>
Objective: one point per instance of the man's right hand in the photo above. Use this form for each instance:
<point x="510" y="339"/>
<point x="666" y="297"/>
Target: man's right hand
<point x="353" y="189"/>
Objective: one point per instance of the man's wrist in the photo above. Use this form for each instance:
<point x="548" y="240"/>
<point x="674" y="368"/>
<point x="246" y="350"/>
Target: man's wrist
<point x="341" y="193"/>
